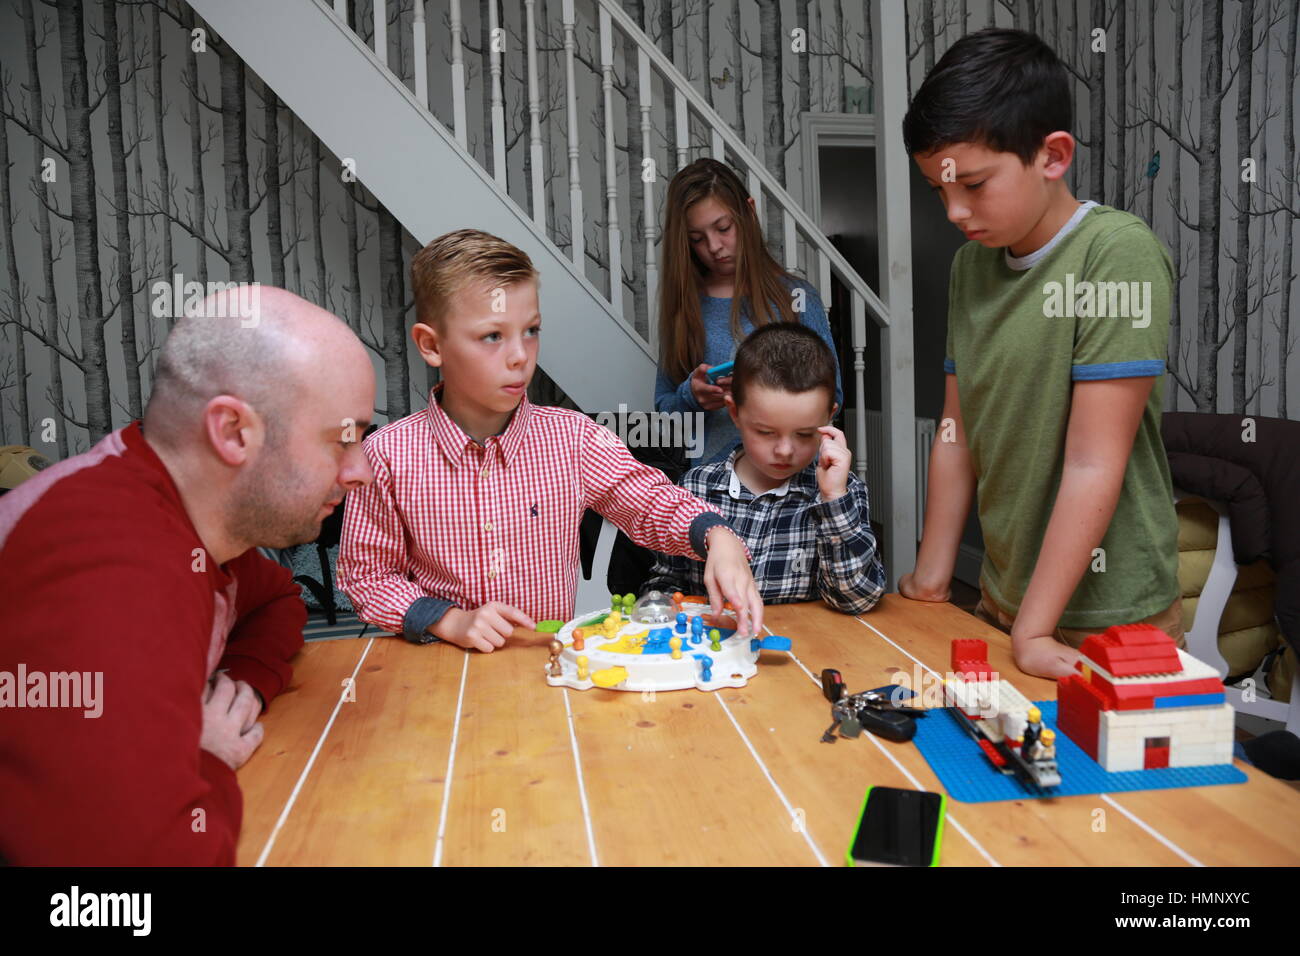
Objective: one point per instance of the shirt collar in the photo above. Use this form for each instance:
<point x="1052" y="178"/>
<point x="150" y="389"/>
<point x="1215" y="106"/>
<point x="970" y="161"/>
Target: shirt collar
<point x="452" y="440"/>
<point x="796" y="482"/>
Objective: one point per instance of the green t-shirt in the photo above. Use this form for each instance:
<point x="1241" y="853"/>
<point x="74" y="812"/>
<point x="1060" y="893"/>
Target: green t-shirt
<point x="1018" y="340"/>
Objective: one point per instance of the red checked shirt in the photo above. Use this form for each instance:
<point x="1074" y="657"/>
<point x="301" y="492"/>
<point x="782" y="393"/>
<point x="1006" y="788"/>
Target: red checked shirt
<point x="450" y="519"/>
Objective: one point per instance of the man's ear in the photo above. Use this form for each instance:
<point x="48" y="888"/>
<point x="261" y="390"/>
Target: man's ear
<point x="233" y="429"/>
<point x="426" y="342"/>
<point x="731" y="409"/>
<point x="835" y="409"/>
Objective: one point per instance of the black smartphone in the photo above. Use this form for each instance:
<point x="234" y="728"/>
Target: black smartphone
<point x="898" y="828"/>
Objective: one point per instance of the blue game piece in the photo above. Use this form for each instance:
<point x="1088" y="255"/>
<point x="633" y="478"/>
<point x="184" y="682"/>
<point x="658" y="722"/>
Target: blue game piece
<point x="754" y="645"/>
<point x="775" y="643"/>
<point x="706" y="667"/>
<point x="681" y="622"/>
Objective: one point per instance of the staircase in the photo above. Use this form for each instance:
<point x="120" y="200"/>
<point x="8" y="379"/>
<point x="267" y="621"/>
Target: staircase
<point x="600" y="342"/>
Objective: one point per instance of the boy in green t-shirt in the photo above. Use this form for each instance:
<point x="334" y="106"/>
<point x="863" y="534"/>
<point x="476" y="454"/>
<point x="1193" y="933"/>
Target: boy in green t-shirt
<point x="1057" y="327"/>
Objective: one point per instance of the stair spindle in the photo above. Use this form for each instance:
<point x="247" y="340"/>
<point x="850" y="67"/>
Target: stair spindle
<point x="457" y="78"/>
<point x="649" y="177"/>
<point x="498" y="44"/>
<point x="683" y="119"/>
<point x="381" y="31"/>
<point x="418" y="51"/>
<point x="791" y="240"/>
<point x="535" y="120"/>
<point x="578" y="238"/>
<point x="611" y="166"/>
<point x="859" y="369"/>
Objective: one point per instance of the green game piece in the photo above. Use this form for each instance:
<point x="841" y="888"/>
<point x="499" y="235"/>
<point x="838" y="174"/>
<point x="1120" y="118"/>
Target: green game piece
<point x="549" y="627"/>
<point x="629" y="601"/>
<point x="715" y="638"/>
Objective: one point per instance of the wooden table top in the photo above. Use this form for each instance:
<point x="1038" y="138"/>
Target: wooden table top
<point x="437" y="756"/>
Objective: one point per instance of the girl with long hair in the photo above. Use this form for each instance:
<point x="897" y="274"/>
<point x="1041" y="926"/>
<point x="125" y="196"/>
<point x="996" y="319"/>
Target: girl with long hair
<point x="717" y="283"/>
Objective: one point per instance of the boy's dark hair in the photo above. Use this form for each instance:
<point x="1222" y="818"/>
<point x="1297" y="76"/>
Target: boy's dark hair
<point x="785" y="356"/>
<point x="1004" y="89"/>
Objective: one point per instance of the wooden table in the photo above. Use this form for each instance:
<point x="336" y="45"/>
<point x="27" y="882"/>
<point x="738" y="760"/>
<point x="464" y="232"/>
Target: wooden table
<point x="435" y="756"/>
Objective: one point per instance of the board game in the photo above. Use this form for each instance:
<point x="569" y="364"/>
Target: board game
<point x="658" y="642"/>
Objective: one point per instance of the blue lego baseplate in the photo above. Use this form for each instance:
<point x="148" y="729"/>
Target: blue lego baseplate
<point x="968" y="776"/>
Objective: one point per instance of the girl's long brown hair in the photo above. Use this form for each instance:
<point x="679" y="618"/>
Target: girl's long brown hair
<point x="759" y="285"/>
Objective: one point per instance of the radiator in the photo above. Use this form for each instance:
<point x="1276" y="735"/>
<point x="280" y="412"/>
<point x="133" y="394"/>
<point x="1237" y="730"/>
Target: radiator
<point x="877" y="477"/>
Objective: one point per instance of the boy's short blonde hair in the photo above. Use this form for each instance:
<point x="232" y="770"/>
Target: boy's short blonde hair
<point x="460" y="259"/>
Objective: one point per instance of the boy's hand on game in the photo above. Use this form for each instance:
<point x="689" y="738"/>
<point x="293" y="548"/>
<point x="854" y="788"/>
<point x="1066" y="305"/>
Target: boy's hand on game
<point x="727" y="577"/>
<point x="833" y="460"/>
<point x="230" y="728"/>
<point x="484" y="629"/>
<point x="1044" y="656"/>
<point x="709" y="396"/>
<point x="914" y="589"/>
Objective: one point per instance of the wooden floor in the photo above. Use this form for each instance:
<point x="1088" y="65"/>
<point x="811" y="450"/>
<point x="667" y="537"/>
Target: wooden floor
<point x="385" y="753"/>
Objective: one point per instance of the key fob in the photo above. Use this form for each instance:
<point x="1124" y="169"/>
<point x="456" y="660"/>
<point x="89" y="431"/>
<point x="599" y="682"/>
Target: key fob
<point x="889" y="724"/>
<point x="832" y="685"/>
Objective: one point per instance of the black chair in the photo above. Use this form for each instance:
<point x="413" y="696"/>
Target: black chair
<point x="330" y="531"/>
<point x="323" y="590"/>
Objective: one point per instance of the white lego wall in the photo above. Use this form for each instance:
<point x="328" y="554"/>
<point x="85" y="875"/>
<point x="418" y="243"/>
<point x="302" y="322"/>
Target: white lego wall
<point x="1198" y="736"/>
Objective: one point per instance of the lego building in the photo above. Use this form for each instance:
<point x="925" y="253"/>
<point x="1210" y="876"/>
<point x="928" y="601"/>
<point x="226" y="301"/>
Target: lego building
<point x="1139" y="702"/>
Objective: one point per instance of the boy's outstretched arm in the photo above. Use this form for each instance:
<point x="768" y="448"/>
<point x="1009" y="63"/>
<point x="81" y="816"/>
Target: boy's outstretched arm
<point x="948" y="499"/>
<point x="659" y="515"/>
<point x="1104" y="418"/>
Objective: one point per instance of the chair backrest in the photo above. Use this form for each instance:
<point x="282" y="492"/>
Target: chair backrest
<point x="1203" y="637"/>
<point x="593" y="592"/>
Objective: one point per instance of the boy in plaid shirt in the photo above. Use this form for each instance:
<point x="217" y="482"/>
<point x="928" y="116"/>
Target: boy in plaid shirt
<point x="788" y="489"/>
<point x="470" y="527"/>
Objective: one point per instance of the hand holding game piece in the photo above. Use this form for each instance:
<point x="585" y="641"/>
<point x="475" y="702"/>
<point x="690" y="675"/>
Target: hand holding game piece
<point x="833" y="461"/>
<point x="484" y="629"/>
<point x="728" y="577"/>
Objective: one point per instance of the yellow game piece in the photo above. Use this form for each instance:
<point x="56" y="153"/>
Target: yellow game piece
<point x="609" y="676"/>
<point x="676" y="644"/>
<point x="582" y="668"/>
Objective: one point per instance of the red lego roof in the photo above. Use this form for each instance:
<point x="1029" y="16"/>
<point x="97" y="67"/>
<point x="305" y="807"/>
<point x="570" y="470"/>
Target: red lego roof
<point x="1127" y="650"/>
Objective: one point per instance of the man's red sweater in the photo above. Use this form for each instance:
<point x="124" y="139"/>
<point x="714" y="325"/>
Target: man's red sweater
<point x="103" y="572"/>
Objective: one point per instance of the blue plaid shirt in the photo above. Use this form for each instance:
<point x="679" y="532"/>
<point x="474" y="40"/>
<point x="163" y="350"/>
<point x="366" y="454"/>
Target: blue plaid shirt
<point x="803" y="547"/>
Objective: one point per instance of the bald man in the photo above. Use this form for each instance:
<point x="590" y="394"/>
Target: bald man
<point x="142" y="633"/>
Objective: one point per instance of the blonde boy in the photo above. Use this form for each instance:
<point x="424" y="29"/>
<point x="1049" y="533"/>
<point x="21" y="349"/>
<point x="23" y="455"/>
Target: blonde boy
<point x="471" y="525"/>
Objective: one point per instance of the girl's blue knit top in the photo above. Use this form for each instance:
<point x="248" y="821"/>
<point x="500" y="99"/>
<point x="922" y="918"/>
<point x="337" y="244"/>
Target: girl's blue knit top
<point x="720" y="435"/>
